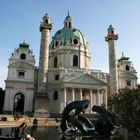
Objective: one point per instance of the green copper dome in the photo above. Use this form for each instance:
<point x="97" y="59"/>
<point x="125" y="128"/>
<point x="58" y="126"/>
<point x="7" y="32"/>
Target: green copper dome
<point x="68" y="36"/>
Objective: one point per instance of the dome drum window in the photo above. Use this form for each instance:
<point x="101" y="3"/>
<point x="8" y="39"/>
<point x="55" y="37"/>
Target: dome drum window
<point x="75" y="60"/>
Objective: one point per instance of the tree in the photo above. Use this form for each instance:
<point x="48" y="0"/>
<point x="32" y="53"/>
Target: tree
<point x="2" y="94"/>
<point x="126" y="108"/>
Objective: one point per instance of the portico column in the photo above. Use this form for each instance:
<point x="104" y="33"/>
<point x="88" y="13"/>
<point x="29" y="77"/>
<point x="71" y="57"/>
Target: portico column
<point x="73" y="94"/>
<point x="65" y="92"/>
<point x="81" y="94"/>
<point x="98" y="97"/>
<point x="105" y="98"/>
<point x="94" y="98"/>
<point x="102" y="97"/>
<point x="91" y="104"/>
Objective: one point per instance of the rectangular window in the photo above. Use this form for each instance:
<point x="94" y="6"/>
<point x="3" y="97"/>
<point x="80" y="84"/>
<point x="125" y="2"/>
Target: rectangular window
<point x="128" y="83"/>
<point x="56" y="77"/>
<point x="21" y="74"/>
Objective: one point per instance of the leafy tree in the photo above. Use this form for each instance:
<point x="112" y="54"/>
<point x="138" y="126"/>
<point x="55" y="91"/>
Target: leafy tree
<point x="126" y="108"/>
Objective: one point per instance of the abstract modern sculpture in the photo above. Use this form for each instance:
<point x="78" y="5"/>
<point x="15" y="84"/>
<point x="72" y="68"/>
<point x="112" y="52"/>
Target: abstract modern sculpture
<point x="74" y="121"/>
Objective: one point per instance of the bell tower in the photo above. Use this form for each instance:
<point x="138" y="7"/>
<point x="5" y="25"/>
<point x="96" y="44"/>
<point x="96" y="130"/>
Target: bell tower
<point x="45" y="29"/>
<point x="111" y="38"/>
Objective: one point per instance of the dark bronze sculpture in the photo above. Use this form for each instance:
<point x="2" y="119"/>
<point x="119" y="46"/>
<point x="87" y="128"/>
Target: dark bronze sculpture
<point x="74" y="121"/>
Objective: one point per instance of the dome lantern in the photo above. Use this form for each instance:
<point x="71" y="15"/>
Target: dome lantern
<point x="68" y="36"/>
<point x="68" y="21"/>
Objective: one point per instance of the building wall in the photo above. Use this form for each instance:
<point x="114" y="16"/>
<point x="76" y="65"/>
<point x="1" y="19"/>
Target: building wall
<point x="65" y="55"/>
<point x="17" y="83"/>
<point x="126" y="74"/>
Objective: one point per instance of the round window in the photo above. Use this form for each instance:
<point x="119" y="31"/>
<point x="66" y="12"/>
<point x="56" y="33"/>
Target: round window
<point x="75" y="41"/>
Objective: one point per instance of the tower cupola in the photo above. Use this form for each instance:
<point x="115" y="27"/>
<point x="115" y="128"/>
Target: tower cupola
<point x="68" y="22"/>
<point x="111" y="35"/>
<point x="46" y="19"/>
<point x="110" y="30"/>
<point x="46" y="23"/>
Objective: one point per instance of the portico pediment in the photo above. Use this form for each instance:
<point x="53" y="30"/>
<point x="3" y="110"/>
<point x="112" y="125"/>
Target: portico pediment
<point x="86" y="79"/>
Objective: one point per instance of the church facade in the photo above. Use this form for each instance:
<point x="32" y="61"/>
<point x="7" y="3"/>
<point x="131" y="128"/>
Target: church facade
<point x="64" y="74"/>
<point x="19" y="90"/>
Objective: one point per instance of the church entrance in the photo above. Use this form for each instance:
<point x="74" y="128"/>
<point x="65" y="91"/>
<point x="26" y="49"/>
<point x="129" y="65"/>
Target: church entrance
<point x="18" y="104"/>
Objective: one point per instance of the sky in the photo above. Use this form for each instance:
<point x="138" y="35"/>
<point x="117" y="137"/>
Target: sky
<point x="20" y="20"/>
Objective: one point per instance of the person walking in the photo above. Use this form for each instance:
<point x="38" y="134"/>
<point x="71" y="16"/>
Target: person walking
<point x="21" y="131"/>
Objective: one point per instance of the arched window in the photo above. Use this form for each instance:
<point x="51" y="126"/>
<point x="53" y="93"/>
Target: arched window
<point x="66" y="24"/>
<point x="46" y="21"/>
<point x="112" y="32"/>
<point x="55" y="62"/>
<point x="75" y="60"/>
<point x="69" y="24"/>
<point x="127" y="67"/>
<point x="19" y="103"/>
<point x="55" y="95"/>
<point x="23" y="56"/>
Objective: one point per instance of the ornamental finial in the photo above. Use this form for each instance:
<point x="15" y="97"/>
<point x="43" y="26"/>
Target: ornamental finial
<point x="68" y="13"/>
